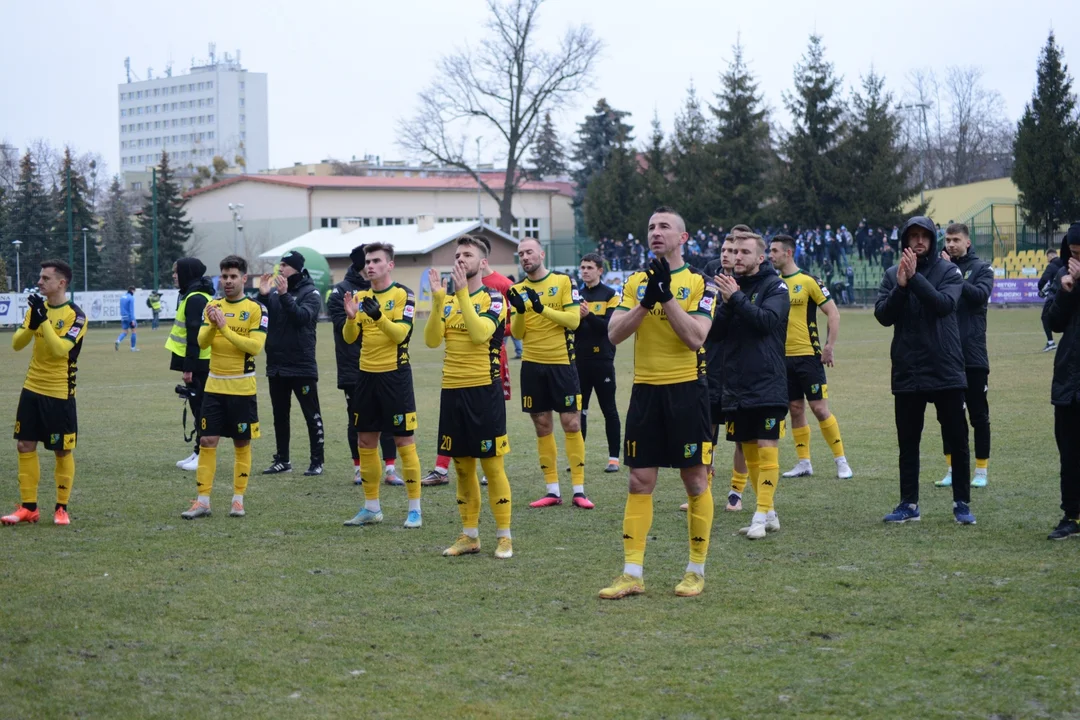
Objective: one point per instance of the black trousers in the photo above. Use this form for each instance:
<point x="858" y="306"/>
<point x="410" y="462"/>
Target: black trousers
<point x="910" y="414"/>
<point x="599" y="375"/>
<point x="306" y="390"/>
<point x="386" y="440"/>
<point x="1046" y="321"/>
<point x="198" y="385"/>
<point x="978" y="409"/>
<point x="1066" y="419"/>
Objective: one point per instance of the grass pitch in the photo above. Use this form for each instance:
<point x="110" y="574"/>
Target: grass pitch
<point x="133" y="612"/>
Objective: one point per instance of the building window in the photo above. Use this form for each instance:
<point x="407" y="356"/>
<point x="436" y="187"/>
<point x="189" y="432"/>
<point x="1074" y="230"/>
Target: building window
<point x="241" y="102"/>
<point x="136" y="186"/>
<point x="123" y="113"/>
<point x="329" y="222"/>
<point x="210" y="102"/>
<point x="139" y="94"/>
<point x="210" y="85"/>
<point x="172" y="90"/>
<point x="210" y="135"/>
<point x="241" y="84"/>
<point x="191" y="87"/>
<point x="243" y="118"/>
<point x="202" y="86"/>
<point x="243" y="135"/>
<point x="209" y="118"/>
<point x="155" y="92"/>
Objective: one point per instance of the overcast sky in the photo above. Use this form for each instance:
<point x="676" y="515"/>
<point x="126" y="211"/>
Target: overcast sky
<point x="342" y="73"/>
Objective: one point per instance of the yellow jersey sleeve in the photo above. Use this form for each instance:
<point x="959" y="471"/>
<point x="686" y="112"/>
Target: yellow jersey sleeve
<point x="466" y="363"/>
<point x="50" y="375"/>
<point x="232" y="371"/>
<point x="545" y="341"/>
<point x="570" y="295"/>
<point x="632" y="292"/>
<point x="380" y="352"/>
<point x="806" y="295"/>
<point x="818" y="292"/>
<point x="660" y="357"/>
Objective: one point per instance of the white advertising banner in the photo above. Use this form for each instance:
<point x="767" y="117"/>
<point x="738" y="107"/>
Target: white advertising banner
<point x="99" y="305"/>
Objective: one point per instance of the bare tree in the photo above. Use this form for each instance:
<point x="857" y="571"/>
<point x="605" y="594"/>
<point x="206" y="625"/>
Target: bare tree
<point x="506" y="85"/>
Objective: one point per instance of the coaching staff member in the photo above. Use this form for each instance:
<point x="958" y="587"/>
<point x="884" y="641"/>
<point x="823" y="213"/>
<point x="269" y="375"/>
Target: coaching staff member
<point x="196" y="291"/>
<point x="918" y="299"/>
<point x="1064" y="317"/>
<point x="595" y="353"/>
<point x="293" y="304"/>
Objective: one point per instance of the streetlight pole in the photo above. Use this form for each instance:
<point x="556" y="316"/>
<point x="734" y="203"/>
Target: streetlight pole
<point x="85" y="264"/>
<point x="18" y="268"/>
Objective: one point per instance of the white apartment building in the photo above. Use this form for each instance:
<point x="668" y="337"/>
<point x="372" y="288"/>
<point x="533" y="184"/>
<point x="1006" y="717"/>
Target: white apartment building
<point x="218" y="108"/>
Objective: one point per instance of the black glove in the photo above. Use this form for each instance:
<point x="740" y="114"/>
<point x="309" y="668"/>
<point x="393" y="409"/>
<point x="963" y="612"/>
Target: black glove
<point x="537" y="306"/>
<point x="648" y="300"/>
<point x="38" y="313"/>
<point x="662" y="273"/>
<point x="371" y="307"/>
<point x="516" y="301"/>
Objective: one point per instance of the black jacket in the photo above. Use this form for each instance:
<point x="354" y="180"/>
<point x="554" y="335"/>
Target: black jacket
<point x="714" y="349"/>
<point x="189" y="276"/>
<point x="348" y="356"/>
<point x="591" y="339"/>
<point x="926" y="351"/>
<point x="971" y="310"/>
<point x="1047" y="285"/>
<point x="1064" y="317"/>
<point x="290" y="340"/>
<point x="753" y="327"/>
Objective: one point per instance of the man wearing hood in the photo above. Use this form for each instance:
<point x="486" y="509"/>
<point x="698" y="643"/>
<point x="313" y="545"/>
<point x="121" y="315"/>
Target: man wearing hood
<point x="971" y="321"/>
<point x="918" y="299"/>
<point x="752" y="323"/>
<point x="1047" y="289"/>
<point x="1064" y="316"/>
<point x="293" y="304"/>
<point x="187" y="357"/>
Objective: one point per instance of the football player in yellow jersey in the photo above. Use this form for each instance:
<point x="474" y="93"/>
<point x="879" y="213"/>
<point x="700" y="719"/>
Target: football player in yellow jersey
<point x="235" y="332"/>
<point x="472" y="411"/>
<point x="669" y="310"/>
<point x="545" y="315"/>
<point x="46" y="410"/>
<point x="383" y="399"/>
<point x="807" y="358"/>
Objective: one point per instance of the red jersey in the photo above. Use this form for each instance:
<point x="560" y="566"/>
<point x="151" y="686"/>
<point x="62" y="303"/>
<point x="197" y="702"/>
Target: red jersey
<point x="498" y="281"/>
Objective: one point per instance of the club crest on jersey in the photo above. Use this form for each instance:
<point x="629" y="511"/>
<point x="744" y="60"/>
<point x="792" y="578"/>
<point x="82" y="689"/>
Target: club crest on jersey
<point x="684" y="292"/>
<point x="245" y="315"/>
<point x="398" y="419"/>
<point x="770" y="423"/>
<point x="552" y="291"/>
<point x="242" y="427"/>
<point x="485" y="445"/>
<point x="446" y="311"/>
<point x="476" y="307"/>
<point x="641" y="293"/>
<point x="60" y="324"/>
<point x="389" y="305"/>
<point x="798" y="288"/>
<point x="689" y="450"/>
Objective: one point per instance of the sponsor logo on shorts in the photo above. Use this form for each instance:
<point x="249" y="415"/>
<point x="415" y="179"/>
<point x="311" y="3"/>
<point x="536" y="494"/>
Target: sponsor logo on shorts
<point x="770" y="423"/>
<point x="569" y="400"/>
<point x="54" y="438"/>
<point x="242" y="427"/>
<point x="398" y="419"/>
<point x="815" y="388"/>
<point x="689" y="450"/>
<point x="485" y="445"/>
<point x="305" y="390"/>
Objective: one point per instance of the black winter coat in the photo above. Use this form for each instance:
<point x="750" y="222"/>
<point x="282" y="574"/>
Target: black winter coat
<point x="290" y="339"/>
<point x="752" y="325"/>
<point x="714" y="349"/>
<point x="348" y="356"/>
<point x="1047" y="284"/>
<point x="926" y="352"/>
<point x="1064" y="317"/>
<point x="971" y="310"/>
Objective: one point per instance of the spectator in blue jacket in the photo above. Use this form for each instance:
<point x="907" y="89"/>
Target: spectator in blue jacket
<point x="127" y="319"/>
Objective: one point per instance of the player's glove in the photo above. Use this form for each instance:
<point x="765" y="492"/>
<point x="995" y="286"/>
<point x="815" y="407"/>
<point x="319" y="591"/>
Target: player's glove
<point x="38" y="313"/>
<point x="662" y="273"/>
<point x="371" y="307"/>
<point x="516" y="301"/>
<point x="649" y="299"/>
<point x="537" y="305"/>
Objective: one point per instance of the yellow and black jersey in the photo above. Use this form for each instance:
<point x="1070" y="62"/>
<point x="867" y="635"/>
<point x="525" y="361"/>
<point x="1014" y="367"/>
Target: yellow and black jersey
<point x="545" y="341"/>
<point x="468" y="364"/>
<point x="232" y="370"/>
<point x="382" y="349"/>
<point x="660" y="357"/>
<point x="50" y="374"/>
<point x="807" y="294"/>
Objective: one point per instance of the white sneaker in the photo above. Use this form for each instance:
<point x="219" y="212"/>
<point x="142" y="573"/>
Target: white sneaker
<point x="483" y="479"/>
<point x="772" y="522"/>
<point x="843" y="470"/>
<point x="756" y="531"/>
<point x="803" y="468"/>
<point x="185" y="461"/>
<point x="192" y="463"/>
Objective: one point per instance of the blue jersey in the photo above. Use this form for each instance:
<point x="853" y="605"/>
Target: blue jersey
<point x="127" y="307"/>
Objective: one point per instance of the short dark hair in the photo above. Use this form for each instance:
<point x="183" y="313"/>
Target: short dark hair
<point x="59" y="266"/>
<point x="380" y="247"/>
<point x="594" y="258"/>
<point x="1050" y="252"/>
<point x="131" y="289"/>
<point x="476" y="242"/>
<point x="957" y="229"/>
<point x="234" y="262"/>
<point x="668" y="210"/>
<point x="786" y="240"/>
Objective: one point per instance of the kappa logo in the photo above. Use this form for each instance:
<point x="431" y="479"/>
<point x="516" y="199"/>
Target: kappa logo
<point x="243" y="475"/>
<point x="242" y="427"/>
<point x="768" y="482"/>
<point x="626" y="537"/>
<point x="689" y="450"/>
<point x="684" y="293"/>
<point x="460" y="501"/>
<point x="485" y="445"/>
<point x="245" y="315"/>
<point x="502" y="501"/>
<point x="697" y="539"/>
<point x="398" y="419"/>
<point x="770" y="423"/>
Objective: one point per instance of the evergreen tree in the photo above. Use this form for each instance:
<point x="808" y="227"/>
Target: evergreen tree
<point x="29" y="220"/>
<point x="549" y="158"/>
<point x="811" y="182"/>
<point x="875" y="162"/>
<point x="743" y="147"/>
<point x="118" y="239"/>
<point x="173" y="229"/>
<point x="82" y="216"/>
<point x="654" y="182"/>
<point x="694" y="186"/>
<point x="1046" y="168"/>
<point x="597" y="137"/>
<point x="612" y="201"/>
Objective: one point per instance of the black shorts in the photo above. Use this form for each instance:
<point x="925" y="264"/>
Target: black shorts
<point x="549" y="387"/>
<point x="472" y="422"/>
<point x="764" y="423"/>
<point x="231" y="416"/>
<point x="806" y="378"/>
<point x="45" y="419"/>
<point x="384" y="402"/>
<point x="668" y="426"/>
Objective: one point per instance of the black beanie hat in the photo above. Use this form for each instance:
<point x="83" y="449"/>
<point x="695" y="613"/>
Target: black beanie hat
<point x="294" y="260"/>
<point x="1073" y="236"/>
<point x="358" y="256"/>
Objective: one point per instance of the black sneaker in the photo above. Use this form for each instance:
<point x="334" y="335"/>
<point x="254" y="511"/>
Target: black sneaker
<point x="278" y="466"/>
<point x="314" y="469"/>
<point x="1064" y="530"/>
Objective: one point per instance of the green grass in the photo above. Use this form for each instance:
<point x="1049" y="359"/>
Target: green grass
<point x="133" y="612"/>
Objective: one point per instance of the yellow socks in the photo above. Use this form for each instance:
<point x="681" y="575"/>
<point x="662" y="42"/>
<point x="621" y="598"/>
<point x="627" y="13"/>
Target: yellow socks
<point x="29" y="477"/>
<point x="65" y="476"/>
<point x="699" y="519"/>
<point x="468" y="492"/>
<point x="498" y="491"/>
<point x="830" y="430"/>
<point x="241" y="469"/>
<point x="371" y="472"/>
<point x="980" y="463"/>
<point x="802" y="441"/>
<point x="768" y="477"/>
<point x="410" y="470"/>
<point x="204" y="476"/>
<point x="637" y="519"/>
<point x="549" y="457"/>
<point x="948" y="460"/>
<point x="575" y="453"/>
<point x="750" y="452"/>
<point x="738" y="481"/>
